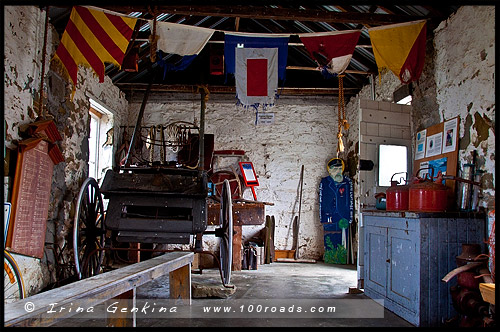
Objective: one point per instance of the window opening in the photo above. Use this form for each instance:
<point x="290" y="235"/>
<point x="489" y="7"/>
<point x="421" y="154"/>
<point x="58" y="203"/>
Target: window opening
<point x="392" y="159"/>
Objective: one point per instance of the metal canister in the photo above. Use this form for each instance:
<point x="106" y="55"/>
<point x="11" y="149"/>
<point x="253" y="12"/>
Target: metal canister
<point x="397" y="195"/>
<point x="426" y="195"/>
<point x="466" y="188"/>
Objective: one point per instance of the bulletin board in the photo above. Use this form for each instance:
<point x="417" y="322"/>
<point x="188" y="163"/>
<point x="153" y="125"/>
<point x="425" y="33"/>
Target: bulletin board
<point x="437" y="147"/>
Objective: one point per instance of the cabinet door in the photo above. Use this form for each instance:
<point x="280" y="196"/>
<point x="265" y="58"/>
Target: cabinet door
<point x="404" y="272"/>
<point x="375" y="259"/>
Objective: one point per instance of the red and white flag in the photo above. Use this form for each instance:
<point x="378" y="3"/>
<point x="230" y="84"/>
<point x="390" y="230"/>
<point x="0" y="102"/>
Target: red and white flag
<point x="256" y="76"/>
<point x="336" y="46"/>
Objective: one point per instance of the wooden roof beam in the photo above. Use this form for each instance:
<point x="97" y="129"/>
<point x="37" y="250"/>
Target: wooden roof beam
<point x="287" y="91"/>
<point x="274" y="13"/>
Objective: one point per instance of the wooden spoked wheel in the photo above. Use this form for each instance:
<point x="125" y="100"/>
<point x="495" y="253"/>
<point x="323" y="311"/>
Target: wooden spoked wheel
<point x="88" y="230"/>
<point x="226" y="238"/>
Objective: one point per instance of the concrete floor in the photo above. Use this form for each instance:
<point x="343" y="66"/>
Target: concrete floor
<point x="295" y="284"/>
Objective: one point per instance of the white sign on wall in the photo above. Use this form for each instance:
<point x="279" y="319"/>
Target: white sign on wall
<point x="434" y="145"/>
<point x="450" y="135"/>
<point x="420" y="150"/>
<point x="265" y="118"/>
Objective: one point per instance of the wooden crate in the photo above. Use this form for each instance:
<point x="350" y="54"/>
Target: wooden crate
<point x="284" y="254"/>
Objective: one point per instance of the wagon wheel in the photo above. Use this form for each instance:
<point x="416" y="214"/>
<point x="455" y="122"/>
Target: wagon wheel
<point x="88" y="230"/>
<point x="226" y="238"/>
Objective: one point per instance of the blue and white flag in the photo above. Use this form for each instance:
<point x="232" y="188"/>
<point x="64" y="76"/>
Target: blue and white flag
<point x="249" y="40"/>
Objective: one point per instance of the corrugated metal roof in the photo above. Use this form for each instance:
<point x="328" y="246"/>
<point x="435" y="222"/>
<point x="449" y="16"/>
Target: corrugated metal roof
<point x="274" y="18"/>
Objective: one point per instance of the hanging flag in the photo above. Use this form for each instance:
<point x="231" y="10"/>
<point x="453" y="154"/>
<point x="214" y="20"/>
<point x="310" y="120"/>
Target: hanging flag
<point x="331" y="50"/>
<point x="248" y="40"/>
<point x="400" y="48"/>
<point x="184" y="40"/>
<point x="93" y="37"/>
<point x="181" y="39"/>
<point x="256" y="76"/>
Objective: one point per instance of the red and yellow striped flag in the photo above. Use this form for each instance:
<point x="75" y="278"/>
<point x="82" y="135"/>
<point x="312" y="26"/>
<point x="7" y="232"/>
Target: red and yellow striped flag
<point x="93" y="37"/>
<point x="400" y="48"/>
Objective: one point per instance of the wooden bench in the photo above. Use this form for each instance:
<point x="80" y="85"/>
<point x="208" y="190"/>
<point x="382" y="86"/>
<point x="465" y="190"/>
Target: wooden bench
<point x="119" y="283"/>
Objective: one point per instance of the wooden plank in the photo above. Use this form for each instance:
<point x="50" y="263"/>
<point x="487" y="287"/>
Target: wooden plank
<point x="488" y="292"/>
<point x="293" y="260"/>
<point x="426" y="230"/>
<point x="267" y="235"/>
<point x="453" y="251"/>
<point x="180" y="284"/>
<point x="243" y="213"/>
<point x="92" y="291"/>
<point x="433" y="269"/>
<point x="215" y="89"/>
<point x="273" y="225"/>
<point x="237" y="243"/>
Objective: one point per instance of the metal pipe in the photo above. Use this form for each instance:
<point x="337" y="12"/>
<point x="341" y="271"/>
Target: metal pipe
<point x="201" y="160"/>
<point x="372" y="85"/>
<point x="138" y="123"/>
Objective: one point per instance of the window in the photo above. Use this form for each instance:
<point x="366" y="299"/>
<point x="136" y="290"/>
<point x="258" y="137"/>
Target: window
<point x="403" y="94"/>
<point x="95" y="119"/>
<point x="392" y="159"/>
<point x="100" y="140"/>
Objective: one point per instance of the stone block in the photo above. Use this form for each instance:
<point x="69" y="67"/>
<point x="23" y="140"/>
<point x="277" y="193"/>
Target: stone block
<point x="384" y="106"/>
<point x="396" y="132"/>
<point x="372" y="129"/>
<point x="372" y="104"/>
<point x="406" y="108"/>
<point x="395" y="107"/>
<point x="385" y="130"/>
<point x="362" y="128"/>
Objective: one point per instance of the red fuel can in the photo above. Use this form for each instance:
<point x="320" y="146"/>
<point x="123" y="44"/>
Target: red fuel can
<point x="397" y="196"/>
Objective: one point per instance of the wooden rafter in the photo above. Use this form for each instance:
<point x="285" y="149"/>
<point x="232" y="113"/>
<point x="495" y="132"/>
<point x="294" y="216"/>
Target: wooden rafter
<point x="310" y="15"/>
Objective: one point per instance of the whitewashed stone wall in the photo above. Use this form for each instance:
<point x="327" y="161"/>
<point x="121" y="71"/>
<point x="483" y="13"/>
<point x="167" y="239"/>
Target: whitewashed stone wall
<point x="458" y="79"/>
<point x="23" y="42"/>
<point x="304" y="133"/>
<point x="465" y="85"/>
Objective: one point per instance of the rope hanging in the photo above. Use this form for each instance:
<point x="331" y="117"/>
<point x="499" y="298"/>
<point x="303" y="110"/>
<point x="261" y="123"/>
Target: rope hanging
<point x="341" y="116"/>
<point x="44" y="53"/>
<point x="153" y="38"/>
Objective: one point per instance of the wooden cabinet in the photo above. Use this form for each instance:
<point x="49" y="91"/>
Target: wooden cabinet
<point x="407" y="254"/>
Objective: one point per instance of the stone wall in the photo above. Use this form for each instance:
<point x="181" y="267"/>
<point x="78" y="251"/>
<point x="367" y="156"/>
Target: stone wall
<point x="458" y="79"/>
<point x="24" y="35"/>
<point x="465" y="86"/>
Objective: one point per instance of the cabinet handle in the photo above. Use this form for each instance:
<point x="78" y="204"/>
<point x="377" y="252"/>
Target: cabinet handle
<point x="388" y="260"/>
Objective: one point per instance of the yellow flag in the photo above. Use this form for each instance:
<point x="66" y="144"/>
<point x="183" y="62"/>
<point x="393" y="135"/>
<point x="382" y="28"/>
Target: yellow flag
<point x="91" y="38"/>
<point x="400" y="48"/>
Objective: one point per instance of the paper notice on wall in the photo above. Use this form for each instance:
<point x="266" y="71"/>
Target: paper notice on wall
<point x="450" y="135"/>
<point x="434" y="145"/>
<point x="420" y="146"/>
<point x="265" y="118"/>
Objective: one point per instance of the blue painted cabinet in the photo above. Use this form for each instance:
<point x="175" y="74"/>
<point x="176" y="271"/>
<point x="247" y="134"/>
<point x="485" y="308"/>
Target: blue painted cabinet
<point x="407" y="254"/>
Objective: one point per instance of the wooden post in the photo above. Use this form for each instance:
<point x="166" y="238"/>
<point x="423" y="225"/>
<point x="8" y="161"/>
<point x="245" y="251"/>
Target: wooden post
<point x="180" y="284"/>
<point x="123" y="319"/>
<point x="135" y="255"/>
<point x="236" y="248"/>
